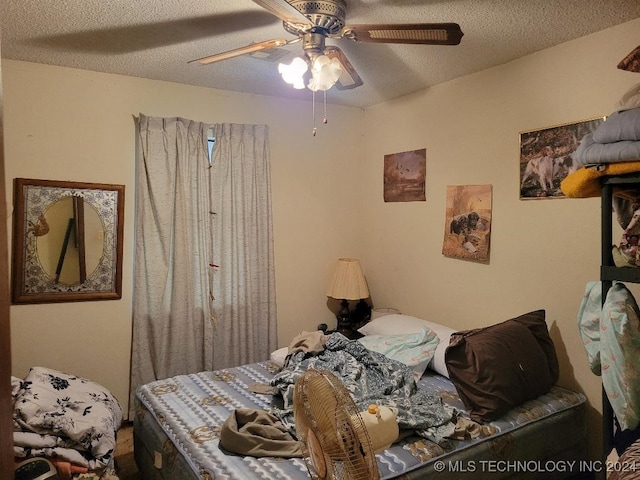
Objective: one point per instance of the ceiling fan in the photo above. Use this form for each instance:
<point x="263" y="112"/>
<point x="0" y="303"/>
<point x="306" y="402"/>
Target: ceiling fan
<point x="312" y="22"/>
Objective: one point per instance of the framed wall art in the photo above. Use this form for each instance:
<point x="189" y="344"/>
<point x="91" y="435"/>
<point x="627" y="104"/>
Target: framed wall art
<point x="546" y="157"/>
<point x="405" y="176"/>
<point x="467" y="228"/>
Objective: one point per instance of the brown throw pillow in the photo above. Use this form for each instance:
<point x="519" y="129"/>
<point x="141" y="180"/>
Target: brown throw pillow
<point x="496" y="368"/>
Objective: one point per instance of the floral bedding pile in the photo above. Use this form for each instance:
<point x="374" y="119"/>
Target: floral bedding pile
<point x="64" y="417"/>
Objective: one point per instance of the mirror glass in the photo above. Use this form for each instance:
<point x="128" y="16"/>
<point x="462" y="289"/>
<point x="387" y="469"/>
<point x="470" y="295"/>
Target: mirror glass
<point x="74" y="244"/>
<point x="67" y="241"/>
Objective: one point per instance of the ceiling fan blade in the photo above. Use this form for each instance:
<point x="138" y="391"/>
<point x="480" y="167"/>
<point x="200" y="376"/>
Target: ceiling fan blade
<point x="252" y="47"/>
<point x="418" y="33"/>
<point x="349" y="78"/>
<point x="138" y="37"/>
<point x="285" y="12"/>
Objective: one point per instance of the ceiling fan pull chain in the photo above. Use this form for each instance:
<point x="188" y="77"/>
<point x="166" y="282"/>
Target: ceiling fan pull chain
<point x="313" y="111"/>
<point x="324" y="120"/>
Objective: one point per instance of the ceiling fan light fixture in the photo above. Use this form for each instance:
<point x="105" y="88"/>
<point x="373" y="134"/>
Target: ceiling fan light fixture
<point x="325" y="72"/>
<point x="293" y="73"/>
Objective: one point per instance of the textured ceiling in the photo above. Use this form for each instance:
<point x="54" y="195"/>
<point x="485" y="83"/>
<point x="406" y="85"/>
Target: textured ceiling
<point x="156" y="38"/>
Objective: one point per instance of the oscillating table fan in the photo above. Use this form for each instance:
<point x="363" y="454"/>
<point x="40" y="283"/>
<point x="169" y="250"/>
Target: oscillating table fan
<point x="335" y="442"/>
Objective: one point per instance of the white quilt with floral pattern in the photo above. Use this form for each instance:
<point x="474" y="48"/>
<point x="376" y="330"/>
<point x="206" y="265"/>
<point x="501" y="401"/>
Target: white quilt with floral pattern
<point x="64" y="416"/>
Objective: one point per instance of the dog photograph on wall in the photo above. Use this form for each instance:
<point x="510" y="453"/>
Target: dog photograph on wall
<point x="546" y="157"/>
<point x="467" y="228"/>
<point x="405" y="176"/>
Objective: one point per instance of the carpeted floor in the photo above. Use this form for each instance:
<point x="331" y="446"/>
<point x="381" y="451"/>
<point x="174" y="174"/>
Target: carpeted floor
<point x="125" y="463"/>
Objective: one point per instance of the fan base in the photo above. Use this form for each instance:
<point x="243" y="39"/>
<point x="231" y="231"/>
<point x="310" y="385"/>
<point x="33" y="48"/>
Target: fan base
<point x="327" y="15"/>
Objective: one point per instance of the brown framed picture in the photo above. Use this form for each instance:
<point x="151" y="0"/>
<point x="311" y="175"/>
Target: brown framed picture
<point x="405" y="176"/>
<point x="546" y="157"/>
<point x="467" y="228"/>
<point x="67" y="241"/>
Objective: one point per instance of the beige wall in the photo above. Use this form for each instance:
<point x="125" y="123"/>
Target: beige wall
<point x="67" y="124"/>
<point x="543" y="252"/>
<point x="75" y="125"/>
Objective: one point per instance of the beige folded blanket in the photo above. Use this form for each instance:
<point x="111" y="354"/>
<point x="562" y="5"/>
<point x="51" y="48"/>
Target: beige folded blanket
<point x="257" y="433"/>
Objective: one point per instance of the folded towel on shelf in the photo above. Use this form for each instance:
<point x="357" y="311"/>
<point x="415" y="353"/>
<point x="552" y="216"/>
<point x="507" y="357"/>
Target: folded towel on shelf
<point x="619" y="126"/>
<point x="590" y="152"/>
<point x="585" y="182"/>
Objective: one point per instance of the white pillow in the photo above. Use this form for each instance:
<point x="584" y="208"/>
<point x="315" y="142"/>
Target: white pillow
<point x="393" y="324"/>
<point x="415" y="350"/>
<point x="399" y="324"/>
<point x="279" y="355"/>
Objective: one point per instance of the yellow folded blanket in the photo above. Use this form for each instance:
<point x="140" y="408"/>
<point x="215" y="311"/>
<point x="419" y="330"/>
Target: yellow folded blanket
<point x="585" y="182"/>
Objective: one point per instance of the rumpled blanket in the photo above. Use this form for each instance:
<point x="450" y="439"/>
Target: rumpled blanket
<point x="585" y="182"/>
<point x="306" y="342"/>
<point x="257" y="433"/>
<point x="65" y="416"/>
<point x="369" y="377"/>
<point x="29" y="444"/>
<point x="611" y="336"/>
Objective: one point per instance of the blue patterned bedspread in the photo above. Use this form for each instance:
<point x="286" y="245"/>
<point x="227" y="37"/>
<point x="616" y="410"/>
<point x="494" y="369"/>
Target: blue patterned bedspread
<point x="183" y="415"/>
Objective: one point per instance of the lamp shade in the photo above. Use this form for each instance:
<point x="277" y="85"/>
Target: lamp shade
<point x="293" y="73"/>
<point x="348" y="282"/>
<point x="325" y="72"/>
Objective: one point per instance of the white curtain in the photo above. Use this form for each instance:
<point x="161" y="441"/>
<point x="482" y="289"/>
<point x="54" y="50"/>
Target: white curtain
<point x="204" y="286"/>
<point x="244" y="282"/>
<point x="172" y="328"/>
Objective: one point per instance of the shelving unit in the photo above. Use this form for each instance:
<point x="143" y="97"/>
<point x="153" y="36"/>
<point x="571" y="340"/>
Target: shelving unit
<point x="610" y="273"/>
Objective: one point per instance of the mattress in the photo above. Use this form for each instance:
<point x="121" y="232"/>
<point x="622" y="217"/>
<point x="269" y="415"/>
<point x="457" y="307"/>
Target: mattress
<point x="178" y="420"/>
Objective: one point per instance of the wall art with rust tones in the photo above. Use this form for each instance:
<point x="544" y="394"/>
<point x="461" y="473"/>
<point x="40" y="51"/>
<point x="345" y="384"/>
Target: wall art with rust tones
<point x="467" y="228"/>
<point x="405" y="176"/>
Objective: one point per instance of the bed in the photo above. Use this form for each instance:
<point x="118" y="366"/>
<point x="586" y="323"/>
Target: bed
<point x="178" y="423"/>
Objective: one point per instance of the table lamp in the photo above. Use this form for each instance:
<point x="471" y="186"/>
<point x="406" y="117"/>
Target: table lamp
<point x="348" y="283"/>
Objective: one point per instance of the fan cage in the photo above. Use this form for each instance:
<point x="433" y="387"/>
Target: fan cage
<point x="326" y="417"/>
